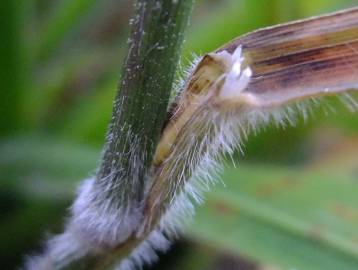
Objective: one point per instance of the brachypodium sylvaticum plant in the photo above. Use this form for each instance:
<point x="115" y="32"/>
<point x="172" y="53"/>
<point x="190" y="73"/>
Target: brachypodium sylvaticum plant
<point x="157" y="161"/>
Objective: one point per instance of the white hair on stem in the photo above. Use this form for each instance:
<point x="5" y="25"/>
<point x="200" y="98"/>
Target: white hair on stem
<point x="218" y="132"/>
<point x="206" y="123"/>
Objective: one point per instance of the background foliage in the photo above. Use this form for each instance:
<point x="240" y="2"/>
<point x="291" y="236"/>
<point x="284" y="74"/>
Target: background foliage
<point x="291" y="202"/>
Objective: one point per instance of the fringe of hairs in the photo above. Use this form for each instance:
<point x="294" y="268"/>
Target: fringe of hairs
<point x="96" y="225"/>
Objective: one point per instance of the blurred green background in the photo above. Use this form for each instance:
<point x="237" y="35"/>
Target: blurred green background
<point x="291" y="203"/>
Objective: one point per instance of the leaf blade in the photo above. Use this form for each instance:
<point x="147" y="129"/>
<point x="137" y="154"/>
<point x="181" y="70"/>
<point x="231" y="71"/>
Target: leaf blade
<point x="303" y="59"/>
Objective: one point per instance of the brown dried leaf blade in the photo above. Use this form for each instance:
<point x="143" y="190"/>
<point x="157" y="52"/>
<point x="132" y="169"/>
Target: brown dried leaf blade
<point x="308" y="58"/>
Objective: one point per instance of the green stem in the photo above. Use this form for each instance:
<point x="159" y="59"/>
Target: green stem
<point x="139" y="111"/>
<point x="140" y="107"/>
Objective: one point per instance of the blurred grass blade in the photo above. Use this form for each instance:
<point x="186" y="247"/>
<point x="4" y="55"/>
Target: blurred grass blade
<point x="65" y="17"/>
<point x="11" y="68"/>
<point x="41" y="167"/>
<point x="287" y="218"/>
<point x="308" y="58"/>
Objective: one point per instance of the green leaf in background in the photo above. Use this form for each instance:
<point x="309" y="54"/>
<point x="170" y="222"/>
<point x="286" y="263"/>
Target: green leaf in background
<point x="11" y="68"/>
<point x="294" y="219"/>
<point x="65" y="15"/>
<point x="44" y="168"/>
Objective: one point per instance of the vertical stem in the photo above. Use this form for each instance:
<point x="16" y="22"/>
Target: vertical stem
<point x="141" y="103"/>
<point x="140" y="109"/>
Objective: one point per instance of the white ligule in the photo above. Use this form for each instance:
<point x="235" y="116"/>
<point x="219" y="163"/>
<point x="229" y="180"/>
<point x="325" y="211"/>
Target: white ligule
<point x="236" y="78"/>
